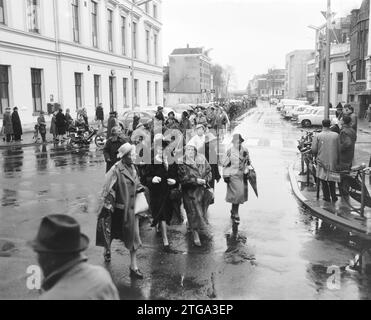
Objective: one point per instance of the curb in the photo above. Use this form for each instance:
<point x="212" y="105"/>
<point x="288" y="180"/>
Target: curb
<point x="324" y="215"/>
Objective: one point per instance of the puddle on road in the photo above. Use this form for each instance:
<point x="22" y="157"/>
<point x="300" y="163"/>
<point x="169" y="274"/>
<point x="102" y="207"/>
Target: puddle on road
<point x="238" y="252"/>
<point x="9" y="198"/>
<point x="7" y="248"/>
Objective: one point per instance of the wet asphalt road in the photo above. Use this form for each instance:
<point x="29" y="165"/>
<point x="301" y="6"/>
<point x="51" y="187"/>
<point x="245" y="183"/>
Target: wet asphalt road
<point x="281" y="252"/>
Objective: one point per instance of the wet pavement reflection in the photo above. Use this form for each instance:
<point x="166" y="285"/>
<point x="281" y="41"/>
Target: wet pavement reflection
<point x="279" y="251"/>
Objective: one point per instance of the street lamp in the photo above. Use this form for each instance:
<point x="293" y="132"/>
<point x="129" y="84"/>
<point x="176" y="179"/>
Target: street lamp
<point x="139" y="3"/>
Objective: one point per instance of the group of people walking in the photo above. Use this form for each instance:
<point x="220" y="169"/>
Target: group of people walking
<point x="12" y="126"/>
<point x="173" y="174"/>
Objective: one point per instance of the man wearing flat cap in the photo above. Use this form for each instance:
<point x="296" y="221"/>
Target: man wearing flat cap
<point x="59" y="245"/>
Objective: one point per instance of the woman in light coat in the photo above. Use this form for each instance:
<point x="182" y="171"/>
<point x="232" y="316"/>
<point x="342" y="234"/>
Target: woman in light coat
<point x="195" y="176"/>
<point x="53" y="126"/>
<point x="118" y="219"/>
<point x="236" y="165"/>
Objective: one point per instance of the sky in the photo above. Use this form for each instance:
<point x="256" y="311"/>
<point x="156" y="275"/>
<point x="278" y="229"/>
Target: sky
<point x="249" y="35"/>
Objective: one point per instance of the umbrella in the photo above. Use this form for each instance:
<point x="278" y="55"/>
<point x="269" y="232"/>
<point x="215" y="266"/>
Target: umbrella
<point x="253" y="181"/>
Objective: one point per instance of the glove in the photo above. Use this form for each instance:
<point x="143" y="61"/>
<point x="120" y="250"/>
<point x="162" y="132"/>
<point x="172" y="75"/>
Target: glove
<point x="156" y="180"/>
<point x="171" y="182"/>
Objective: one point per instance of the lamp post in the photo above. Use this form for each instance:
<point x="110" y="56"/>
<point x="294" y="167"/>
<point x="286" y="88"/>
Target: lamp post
<point x="139" y="3"/>
<point x="328" y="53"/>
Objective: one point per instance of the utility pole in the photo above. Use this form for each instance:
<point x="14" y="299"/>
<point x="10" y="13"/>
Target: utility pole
<point x="328" y="53"/>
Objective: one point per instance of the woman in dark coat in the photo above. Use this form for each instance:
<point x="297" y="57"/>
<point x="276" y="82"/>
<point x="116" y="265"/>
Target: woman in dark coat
<point x="17" y="126"/>
<point x="194" y="176"/>
<point x="7" y="125"/>
<point x="53" y="126"/>
<point x="163" y="183"/>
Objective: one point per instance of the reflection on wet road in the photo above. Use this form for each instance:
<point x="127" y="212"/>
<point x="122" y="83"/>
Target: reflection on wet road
<point x="281" y="251"/>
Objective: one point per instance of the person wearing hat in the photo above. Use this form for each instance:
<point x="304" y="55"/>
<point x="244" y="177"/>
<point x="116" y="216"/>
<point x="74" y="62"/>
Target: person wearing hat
<point x="195" y="175"/>
<point x="201" y="118"/>
<point x="236" y="165"/>
<point x="112" y="146"/>
<point x="17" y="125"/>
<point x="171" y="123"/>
<point x="8" y="125"/>
<point x="112" y="122"/>
<point x="119" y="218"/>
<point x="161" y="178"/>
<point x="199" y="139"/>
<point x="59" y="245"/>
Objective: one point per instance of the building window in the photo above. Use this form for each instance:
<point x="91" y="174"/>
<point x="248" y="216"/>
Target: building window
<point x="135" y="92"/>
<point x="112" y="93"/>
<point x="340" y="78"/>
<point x="155" y="11"/>
<point x="2" y="12"/>
<point x="110" y="29"/>
<point x="94" y="23"/>
<point x="96" y="90"/>
<point x="125" y="91"/>
<point x="134" y="39"/>
<point x="147" y="45"/>
<point x="33" y="15"/>
<point x="4" y="88"/>
<point x="123" y="35"/>
<point x="36" y="89"/>
<point x="149" y="102"/>
<point x="78" y="90"/>
<point x="155" y="48"/>
<point x="156" y="93"/>
<point x="75" y="20"/>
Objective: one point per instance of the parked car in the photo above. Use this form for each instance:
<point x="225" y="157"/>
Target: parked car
<point x="315" y="118"/>
<point x="297" y="113"/>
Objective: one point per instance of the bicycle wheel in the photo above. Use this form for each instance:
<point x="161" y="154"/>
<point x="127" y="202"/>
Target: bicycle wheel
<point x="100" y="141"/>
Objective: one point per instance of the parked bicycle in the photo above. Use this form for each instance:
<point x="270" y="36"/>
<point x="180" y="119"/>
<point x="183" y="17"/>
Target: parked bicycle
<point x="79" y="137"/>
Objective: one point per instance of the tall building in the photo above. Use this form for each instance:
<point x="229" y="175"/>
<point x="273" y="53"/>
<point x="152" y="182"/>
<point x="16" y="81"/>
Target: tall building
<point x="79" y="53"/>
<point x="312" y="94"/>
<point x="276" y="83"/>
<point x="190" y="78"/>
<point x="296" y="73"/>
<point x="359" y="94"/>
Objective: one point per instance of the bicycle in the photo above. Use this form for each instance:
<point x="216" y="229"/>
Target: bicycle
<point x="353" y="186"/>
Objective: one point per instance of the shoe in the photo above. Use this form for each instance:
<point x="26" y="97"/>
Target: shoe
<point x="335" y="200"/>
<point x="327" y="200"/>
<point x="167" y="248"/>
<point x="136" y="274"/>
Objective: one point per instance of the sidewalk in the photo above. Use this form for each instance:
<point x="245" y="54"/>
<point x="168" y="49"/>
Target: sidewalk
<point x="339" y="214"/>
<point x="364" y="126"/>
<point x="27" y="140"/>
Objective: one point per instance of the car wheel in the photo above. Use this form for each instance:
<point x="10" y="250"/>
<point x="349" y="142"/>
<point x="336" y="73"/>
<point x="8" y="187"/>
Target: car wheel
<point x="306" y="123"/>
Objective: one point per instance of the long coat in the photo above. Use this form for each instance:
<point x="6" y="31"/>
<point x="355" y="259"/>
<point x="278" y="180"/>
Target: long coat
<point x="7" y="123"/>
<point x="112" y="122"/>
<point x="61" y="123"/>
<point x="234" y="165"/>
<point x="196" y="198"/>
<point x="326" y="145"/>
<point x="117" y="216"/>
<point x="161" y="202"/>
<point x="17" y="126"/>
<point x="348" y="139"/>
<point x="53" y="126"/>
<point x="110" y="151"/>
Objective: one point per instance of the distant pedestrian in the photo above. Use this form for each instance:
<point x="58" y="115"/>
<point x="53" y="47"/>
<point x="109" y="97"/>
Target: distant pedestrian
<point x="236" y="165"/>
<point x="119" y="218"/>
<point x="136" y="121"/>
<point x="112" y="122"/>
<point x="326" y="146"/>
<point x="348" y="139"/>
<point x="349" y="111"/>
<point x="369" y="115"/>
<point x="69" y="120"/>
<point x="339" y="111"/>
<point x="61" y="123"/>
<point x="112" y="146"/>
<point x="195" y="175"/>
<point x="17" y="125"/>
<point x="84" y="114"/>
<point x="99" y="115"/>
<point x="53" y="126"/>
<point x="171" y="123"/>
<point x="8" y="125"/>
<point x="67" y="274"/>
<point x="41" y="124"/>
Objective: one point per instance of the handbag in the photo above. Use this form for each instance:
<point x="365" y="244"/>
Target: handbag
<point x="141" y="204"/>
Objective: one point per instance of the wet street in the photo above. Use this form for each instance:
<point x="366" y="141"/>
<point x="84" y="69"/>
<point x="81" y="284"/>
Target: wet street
<point x="281" y="251"/>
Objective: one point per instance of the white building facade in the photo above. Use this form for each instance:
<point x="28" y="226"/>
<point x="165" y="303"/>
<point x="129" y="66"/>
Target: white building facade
<point x="79" y="53"/>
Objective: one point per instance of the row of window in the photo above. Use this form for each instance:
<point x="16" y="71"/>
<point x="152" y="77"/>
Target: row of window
<point x="33" y="25"/>
<point x="37" y="85"/>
